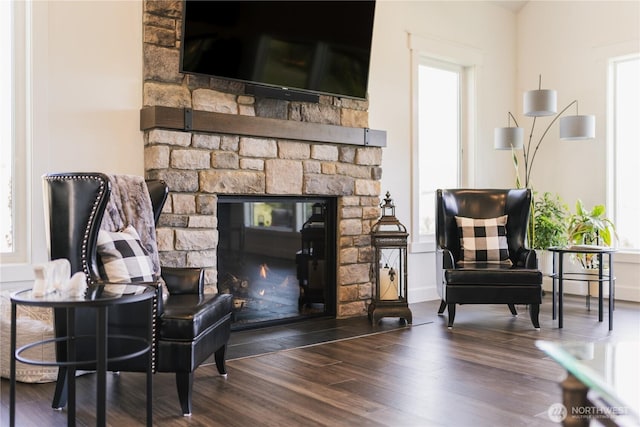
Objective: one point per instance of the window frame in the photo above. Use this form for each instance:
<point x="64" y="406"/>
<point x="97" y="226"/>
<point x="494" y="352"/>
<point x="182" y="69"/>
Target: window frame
<point x="18" y="273"/>
<point x="611" y="138"/>
<point x="470" y="60"/>
<point x="426" y="61"/>
<point x="21" y="169"/>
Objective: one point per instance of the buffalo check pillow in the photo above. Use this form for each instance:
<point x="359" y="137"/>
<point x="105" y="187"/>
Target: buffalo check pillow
<point x="123" y="259"/>
<point x="483" y="240"/>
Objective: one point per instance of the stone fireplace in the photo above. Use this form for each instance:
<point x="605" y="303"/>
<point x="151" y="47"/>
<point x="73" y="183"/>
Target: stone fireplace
<point x="207" y="138"/>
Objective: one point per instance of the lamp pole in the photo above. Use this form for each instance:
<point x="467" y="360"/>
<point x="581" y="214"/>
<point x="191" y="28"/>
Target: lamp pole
<point x="526" y="151"/>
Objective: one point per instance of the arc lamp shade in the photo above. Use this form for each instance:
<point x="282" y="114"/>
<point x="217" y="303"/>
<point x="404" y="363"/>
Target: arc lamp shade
<point x="540" y="102"/>
<point x="578" y="127"/>
<point x="508" y="138"/>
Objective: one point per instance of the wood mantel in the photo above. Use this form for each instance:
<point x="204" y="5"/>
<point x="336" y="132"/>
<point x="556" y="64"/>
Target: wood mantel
<point x="186" y="119"/>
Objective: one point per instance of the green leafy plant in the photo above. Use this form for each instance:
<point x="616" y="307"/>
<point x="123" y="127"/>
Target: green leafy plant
<point x="590" y="227"/>
<point x="550" y="216"/>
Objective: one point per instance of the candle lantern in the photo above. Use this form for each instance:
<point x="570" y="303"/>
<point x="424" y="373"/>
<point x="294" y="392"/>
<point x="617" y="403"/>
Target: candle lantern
<point x="389" y="238"/>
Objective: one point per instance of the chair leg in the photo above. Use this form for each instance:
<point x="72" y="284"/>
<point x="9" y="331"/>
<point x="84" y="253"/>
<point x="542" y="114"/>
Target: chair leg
<point x="443" y="305"/>
<point x="219" y="357"/>
<point x="60" y="392"/>
<point x="534" y="313"/>
<point x="451" y="309"/>
<point x="184" y="382"/>
<point x="512" y="307"/>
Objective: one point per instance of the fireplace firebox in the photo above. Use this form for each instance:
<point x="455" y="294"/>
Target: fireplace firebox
<point x="277" y="256"/>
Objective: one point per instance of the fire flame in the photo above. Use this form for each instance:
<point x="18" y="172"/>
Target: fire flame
<point x="263" y="271"/>
<point x="263" y="274"/>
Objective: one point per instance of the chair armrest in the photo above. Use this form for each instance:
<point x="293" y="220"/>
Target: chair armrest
<point x="157" y="285"/>
<point x="527" y="258"/>
<point x="184" y="280"/>
<point x="444" y="261"/>
<point x="446" y="257"/>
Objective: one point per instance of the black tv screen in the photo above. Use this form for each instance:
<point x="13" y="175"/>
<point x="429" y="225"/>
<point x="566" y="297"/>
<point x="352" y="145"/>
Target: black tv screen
<point x="316" y="46"/>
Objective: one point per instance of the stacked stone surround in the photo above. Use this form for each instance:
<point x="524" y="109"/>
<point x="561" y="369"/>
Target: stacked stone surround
<point x="200" y="166"/>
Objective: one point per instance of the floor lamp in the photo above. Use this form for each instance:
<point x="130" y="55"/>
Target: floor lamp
<point x="540" y="103"/>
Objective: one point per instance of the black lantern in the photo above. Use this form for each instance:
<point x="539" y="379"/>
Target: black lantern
<point x="390" y="245"/>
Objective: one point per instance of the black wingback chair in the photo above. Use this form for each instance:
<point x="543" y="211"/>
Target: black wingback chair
<point x="189" y="326"/>
<point x="515" y="280"/>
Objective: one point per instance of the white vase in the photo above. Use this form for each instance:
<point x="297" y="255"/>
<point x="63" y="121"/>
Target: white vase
<point x="545" y="261"/>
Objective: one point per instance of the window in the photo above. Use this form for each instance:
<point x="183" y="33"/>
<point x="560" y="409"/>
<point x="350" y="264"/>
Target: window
<point x="13" y="146"/>
<point x="439" y="135"/>
<point x="624" y="149"/>
<point x="6" y="129"/>
<point x="443" y="81"/>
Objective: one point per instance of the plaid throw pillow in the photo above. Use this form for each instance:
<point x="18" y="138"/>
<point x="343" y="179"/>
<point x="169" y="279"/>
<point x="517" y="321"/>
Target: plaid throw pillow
<point x="483" y="240"/>
<point x="122" y="257"/>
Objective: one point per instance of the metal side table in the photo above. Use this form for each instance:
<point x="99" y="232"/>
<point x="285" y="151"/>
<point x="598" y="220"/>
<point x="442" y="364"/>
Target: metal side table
<point x="99" y="298"/>
<point x="560" y="275"/>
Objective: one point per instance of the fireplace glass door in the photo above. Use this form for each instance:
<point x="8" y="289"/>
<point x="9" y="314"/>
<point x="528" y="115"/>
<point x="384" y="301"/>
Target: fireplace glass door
<point x="276" y="255"/>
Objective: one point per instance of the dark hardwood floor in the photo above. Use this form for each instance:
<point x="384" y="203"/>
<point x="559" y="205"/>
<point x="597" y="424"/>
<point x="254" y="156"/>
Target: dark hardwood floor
<point x="485" y="372"/>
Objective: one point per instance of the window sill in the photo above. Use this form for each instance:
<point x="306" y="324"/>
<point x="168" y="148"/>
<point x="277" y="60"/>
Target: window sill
<point x="627" y="256"/>
<point x="11" y="273"/>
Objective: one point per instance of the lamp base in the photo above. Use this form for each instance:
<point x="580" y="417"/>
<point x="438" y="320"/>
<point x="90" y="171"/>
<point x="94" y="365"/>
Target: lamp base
<point x="379" y="309"/>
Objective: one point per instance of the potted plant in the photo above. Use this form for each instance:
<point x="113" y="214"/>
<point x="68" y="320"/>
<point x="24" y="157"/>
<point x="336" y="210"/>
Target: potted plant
<point x="590" y="227"/>
<point x="550" y="216"/>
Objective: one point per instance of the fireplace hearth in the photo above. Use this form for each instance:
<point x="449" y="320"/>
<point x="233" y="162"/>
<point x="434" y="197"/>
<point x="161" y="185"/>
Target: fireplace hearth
<point x="275" y="256"/>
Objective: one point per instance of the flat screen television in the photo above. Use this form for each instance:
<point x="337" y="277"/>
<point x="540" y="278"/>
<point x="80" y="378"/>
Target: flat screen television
<point x="318" y="47"/>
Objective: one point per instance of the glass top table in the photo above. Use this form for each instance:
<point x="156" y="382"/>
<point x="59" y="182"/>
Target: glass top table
<point x="610" y="373"/>
<point x="96" y="295"/>
<point x="99" y="298"/>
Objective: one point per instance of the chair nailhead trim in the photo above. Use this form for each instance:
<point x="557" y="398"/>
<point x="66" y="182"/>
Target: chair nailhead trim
<point x="94" y="208"/>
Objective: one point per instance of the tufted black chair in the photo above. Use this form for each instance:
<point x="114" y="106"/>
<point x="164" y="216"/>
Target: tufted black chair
<point x="189" y="326"/>
<point x="486" y="283"/>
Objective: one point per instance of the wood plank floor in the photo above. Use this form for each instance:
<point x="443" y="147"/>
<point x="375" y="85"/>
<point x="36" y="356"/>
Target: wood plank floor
<point x="485" y="372"/>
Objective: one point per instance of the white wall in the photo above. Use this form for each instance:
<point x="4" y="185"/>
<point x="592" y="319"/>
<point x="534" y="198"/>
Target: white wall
<point x="87" y="94"/>
<point x="571" y="54"/>
<point x="480" y="27"/>
<point x="95" y="86"/>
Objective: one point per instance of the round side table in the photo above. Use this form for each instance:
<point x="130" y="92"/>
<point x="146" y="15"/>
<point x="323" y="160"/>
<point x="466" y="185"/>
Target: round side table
<point x="99" y="298"/>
